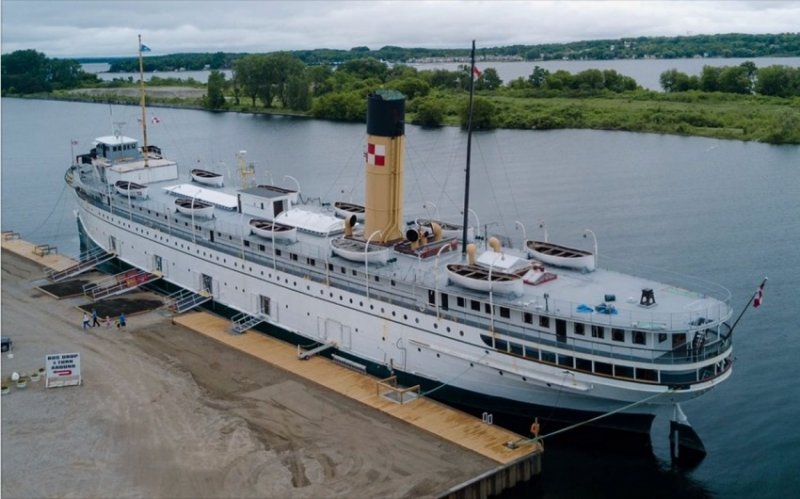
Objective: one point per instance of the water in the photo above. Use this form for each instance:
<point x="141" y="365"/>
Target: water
<point x="724" y="211"/>
<point x="646" y="72"/>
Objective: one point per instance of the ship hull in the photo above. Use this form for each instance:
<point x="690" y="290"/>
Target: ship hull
<point x="449" y="357"/>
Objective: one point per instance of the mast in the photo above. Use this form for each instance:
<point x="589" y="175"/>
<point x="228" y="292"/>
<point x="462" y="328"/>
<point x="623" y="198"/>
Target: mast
<point x="469" y="150"/>
<point x="141" y="102"/>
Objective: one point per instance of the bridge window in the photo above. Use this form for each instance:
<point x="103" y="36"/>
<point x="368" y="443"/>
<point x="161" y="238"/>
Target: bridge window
<point x="579" y="328"/>
<point x="505" y="312"/>
<point x="639" y="337"/>
<point x="527" y="317"/>
<point x="544" y="321"/>
<point x="598" y="332"/>
<point x="460" y="301"/>
<point x="617" y="334"/>
<point x="475" y="305"/>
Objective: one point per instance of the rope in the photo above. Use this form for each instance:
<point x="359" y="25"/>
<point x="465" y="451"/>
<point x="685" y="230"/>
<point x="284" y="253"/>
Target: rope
<point x="592" y="420"/>
<point x="450" y="381"/>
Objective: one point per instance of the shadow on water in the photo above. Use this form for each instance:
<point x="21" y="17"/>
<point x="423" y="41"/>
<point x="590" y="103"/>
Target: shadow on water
<point x="588" y="462"/>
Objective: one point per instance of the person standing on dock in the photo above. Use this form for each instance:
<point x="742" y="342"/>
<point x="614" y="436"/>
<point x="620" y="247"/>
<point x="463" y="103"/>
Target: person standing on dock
<point x="108" y="322"/>
<point x="122" y="320"/>
<point x="95" y="322"/>
<point x="85" y="321"/>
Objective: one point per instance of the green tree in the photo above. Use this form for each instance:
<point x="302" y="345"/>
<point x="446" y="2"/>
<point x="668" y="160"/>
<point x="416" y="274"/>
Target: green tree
<point x="538" y="77"/>
<point x="489" y="80"/>
<point x="734" y="80"/>
<point x="430" y="112"/>
<point x="215" y="94"/>
<point x="673" y="80"/>
<point x="483" y="114"/>
<point x="365" y="68"/>
<point x="780" y="81"/>
<point x="344" y="106"/>
<point x="24" y="72"/>
<point x="298" y="92"/>
<point x="410" y="87"/>
<point x="709" y="79"/>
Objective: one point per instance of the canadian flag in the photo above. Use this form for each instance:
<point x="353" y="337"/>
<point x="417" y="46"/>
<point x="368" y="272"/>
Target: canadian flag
<point x="759" y="297"/>
<point x="476" y="71"/>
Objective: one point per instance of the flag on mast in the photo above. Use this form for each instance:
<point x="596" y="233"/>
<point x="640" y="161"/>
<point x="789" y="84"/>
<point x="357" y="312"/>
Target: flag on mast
<point x="144" y="48"/>
<point x="476" y="71"/>
<point x="759" y="297"/>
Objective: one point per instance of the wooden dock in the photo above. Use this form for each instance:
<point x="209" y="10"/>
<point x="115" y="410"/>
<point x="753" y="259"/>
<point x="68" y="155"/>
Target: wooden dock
<point x="424" y="413"/>
<point x="515" y="465"/>
<point x="43" y="254"/>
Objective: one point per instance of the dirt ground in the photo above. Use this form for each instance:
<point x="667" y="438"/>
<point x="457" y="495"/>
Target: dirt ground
<point x="167" y="413"/>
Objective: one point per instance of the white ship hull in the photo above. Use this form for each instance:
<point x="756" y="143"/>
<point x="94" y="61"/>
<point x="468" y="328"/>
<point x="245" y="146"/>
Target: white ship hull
<point x="396" y="337"/>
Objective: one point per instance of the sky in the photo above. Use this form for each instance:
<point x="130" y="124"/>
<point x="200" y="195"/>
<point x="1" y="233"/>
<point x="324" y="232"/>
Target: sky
<point x="99" y="28"/>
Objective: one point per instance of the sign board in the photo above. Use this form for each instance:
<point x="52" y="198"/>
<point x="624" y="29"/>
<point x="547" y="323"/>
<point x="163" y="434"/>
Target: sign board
<point x="63" y="369"/>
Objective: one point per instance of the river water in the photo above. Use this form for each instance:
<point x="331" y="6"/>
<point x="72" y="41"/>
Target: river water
<point x="646" y="72"/>
<point x="724" y="211"/>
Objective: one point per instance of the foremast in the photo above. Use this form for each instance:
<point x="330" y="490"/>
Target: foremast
<point x="142" y="104"/>
<point x="465" y="229"/>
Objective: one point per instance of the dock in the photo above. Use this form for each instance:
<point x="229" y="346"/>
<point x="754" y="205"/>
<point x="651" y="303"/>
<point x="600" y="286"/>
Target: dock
<point x="514" y="465"/>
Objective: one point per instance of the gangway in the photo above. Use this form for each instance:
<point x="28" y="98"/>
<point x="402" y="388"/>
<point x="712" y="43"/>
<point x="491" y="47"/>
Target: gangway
<point x="87" y="261"/>
<point x="242" y="322"/>
<point x="119" y="283"/>
<point x="186" y="299"/>
<point x="307" y="354"/>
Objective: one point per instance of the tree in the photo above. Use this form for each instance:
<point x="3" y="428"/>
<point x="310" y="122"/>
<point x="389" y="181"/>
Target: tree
<point x="538" y="76"/>
<point x="781" y="81"/>
<point x="734" y="80"/>
<point x="410" y="87"/>
<point x="483" y="114"/>
<point x="215" y="96"/>
<point x="365" y="68"/>
<point x="709" y="79"/>
<point x="430" y="112"/>
<point x="298" y="92"/>
<point x="673" y="80"/>
<point x="489" y="80"/>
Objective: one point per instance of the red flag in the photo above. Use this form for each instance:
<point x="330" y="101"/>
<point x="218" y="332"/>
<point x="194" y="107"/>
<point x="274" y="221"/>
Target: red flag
<point x="476" y="71"/>
<point x="758" y="298"/>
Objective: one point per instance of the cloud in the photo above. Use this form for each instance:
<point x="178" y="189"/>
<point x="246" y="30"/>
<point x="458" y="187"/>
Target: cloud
<point x="109" y="28"/>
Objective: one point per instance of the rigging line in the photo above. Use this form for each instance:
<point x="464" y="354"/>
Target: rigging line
<point x="450" y="381"/>
<point x="55" y="206"/>
<point x="592" y="420"/>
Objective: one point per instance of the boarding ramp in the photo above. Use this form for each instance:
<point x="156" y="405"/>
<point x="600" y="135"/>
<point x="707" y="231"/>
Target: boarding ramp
<point x="307" y="354"/>
<point x="88" y="260"/>
<point x="242" y="322"/>
<point x="184" y="300"/>
<point x="119" y="283"/>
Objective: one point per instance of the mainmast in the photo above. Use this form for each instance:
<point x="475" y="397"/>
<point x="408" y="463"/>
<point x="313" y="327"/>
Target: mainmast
<point x="141" y="101"/>
<point x="469" y="150"/>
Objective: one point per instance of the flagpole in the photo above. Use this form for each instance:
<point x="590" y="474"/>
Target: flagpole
<point x="758" y="290"/>
<point x="141" y="100"/>
<point x="465" y="228"/>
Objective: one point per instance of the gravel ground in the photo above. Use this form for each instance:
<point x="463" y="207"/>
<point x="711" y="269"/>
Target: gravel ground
<point x="166" y="413"/>
<point x="179" y="92"/>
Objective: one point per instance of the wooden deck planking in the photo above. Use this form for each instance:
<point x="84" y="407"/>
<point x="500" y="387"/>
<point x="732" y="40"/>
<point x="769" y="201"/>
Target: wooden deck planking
<point x="55" y="261"/>
<point x="424" y="413"/>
